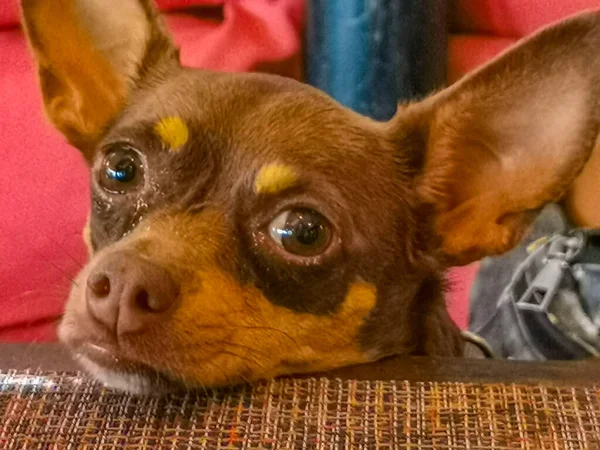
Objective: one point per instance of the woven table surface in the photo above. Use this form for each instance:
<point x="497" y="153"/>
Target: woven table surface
<point x="45" y="410"/>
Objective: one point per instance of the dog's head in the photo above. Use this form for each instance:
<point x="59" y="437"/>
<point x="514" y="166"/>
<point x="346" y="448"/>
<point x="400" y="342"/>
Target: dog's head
<point x="245" y="226"/>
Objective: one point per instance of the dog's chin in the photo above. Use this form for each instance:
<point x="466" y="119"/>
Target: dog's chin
<point x="119" y="374"/>
<point x="131" y="382"/>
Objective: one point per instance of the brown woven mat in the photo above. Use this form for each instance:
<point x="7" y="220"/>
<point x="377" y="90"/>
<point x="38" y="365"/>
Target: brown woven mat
<point x="67" y="411"/>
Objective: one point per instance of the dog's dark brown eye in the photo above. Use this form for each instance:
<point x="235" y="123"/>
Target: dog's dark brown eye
<point x="121" y="170"/>
<point x="301" y="232"/>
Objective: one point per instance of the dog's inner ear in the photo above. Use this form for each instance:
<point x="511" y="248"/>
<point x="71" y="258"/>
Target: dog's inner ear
<point x="510" y="138"/>
<point x="90" y="56"/>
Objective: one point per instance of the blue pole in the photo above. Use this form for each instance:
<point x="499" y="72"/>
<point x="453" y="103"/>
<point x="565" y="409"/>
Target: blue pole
<point x="369" y="54"/>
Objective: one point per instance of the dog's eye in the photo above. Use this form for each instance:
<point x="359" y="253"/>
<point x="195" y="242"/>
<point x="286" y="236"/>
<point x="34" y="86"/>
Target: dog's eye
<point x="301" y="231"/>
<point x="121" y="170"/>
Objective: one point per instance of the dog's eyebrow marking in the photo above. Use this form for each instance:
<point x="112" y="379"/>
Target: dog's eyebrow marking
<point x="173" y="132"/>
<point x="274" y="178"/>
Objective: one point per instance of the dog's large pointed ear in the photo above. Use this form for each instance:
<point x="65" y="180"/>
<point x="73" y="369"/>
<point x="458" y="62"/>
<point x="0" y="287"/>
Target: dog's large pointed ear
<point x="90" y="55"/>
<point x="509" y="139"/>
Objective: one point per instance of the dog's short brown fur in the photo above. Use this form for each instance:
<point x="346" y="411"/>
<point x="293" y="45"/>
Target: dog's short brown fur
<point x="448" y="180"/>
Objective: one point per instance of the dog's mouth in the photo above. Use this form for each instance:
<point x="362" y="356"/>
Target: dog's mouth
<point x="106" y="365"/>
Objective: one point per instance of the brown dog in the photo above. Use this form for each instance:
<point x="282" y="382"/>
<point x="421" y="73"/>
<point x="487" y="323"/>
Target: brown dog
<point x="245" y="226"/>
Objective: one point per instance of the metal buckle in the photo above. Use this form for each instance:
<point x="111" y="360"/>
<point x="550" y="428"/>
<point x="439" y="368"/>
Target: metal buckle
<point x="561" y="252"/>
<point x="535" y="307"/>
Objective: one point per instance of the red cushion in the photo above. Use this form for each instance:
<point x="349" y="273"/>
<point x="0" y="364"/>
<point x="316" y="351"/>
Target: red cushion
<point x="44" y="189"/>
<point x="166" y="5"/>
<point x="466" y="52"/>
<point x="9" y="13"/>
<point x="251" y="33"/>
<point x="9" y="9"/>
<point x="514" y="18"/>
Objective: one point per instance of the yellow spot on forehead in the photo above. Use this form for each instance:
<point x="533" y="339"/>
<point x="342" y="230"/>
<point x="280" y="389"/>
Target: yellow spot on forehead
<point x="173" y="132"/>
<point x="274" y="178"/>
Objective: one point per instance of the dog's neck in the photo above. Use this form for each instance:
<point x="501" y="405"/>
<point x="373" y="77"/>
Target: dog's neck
<point x="429" y="329"/>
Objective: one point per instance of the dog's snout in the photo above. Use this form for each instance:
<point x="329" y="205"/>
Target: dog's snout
<point x="127" y="293"/>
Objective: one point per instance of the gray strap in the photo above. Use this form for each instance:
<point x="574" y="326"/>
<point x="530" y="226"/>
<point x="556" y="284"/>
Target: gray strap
<point x="476" y="347"/>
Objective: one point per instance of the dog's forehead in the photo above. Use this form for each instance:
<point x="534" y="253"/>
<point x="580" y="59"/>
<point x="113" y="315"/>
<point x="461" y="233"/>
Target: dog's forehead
<point x="259" y="114"/>
<point x="213" y="100"/>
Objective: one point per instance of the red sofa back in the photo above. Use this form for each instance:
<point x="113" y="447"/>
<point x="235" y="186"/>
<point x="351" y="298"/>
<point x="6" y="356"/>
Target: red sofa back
<point x="483" y="28"/>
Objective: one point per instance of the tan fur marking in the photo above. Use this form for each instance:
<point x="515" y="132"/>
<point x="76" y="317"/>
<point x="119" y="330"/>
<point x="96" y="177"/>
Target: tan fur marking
<point x="173" y="132"/>
<point x="269" y="340"/>
<point x="274" y="178"/>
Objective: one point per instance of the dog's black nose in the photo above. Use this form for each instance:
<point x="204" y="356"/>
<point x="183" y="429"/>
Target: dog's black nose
<point x="127" y="293"/>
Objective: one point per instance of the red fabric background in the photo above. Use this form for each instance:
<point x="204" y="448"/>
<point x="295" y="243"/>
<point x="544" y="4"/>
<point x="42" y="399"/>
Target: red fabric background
<point x="513" y="18"/>
<point x="484" y="28"/>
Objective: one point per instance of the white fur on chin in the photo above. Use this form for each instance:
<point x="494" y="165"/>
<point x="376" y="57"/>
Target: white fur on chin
<point x="122" y="381"/>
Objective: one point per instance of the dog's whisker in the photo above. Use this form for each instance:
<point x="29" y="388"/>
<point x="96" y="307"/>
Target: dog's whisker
<point x="277" y="330"/>
<point x="198" y="383"/>
<point x="26" y="294"/>
<point x="59" y="270"/>
<point x="241" y="375"/>
<point x="244" y="347"/>
<point x="251" y="327"/>
<point x="244" y="358"/>
<point x="54" y="291"/>
<point x="66" y="252"/>
<point x="226" y="378"/>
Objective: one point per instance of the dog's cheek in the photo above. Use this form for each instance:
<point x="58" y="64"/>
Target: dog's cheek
<point x="224" y="333"/>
